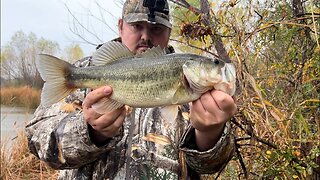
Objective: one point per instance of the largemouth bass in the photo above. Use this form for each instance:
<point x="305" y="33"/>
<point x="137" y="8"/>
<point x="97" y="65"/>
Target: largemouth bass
<point x="150" y="79"/>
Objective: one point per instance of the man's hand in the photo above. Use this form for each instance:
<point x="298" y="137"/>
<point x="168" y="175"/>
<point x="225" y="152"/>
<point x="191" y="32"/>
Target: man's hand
<point x="208" y="116"/>
<point x="104" y="125"/>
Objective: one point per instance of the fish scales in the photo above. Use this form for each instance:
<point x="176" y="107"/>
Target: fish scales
<point x="156" y="78"/>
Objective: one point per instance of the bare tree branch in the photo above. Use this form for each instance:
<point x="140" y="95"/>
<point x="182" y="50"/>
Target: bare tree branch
<point x="216" y="39"/>
<point x="206" y="20"/>
<point x="185" y="4"/>
<point x="196" y="47"/>
<point x="103" y="20"/>
<point x="82" y="26"/>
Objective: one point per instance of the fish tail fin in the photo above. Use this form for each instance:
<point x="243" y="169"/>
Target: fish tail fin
<point x="54" y="72"/>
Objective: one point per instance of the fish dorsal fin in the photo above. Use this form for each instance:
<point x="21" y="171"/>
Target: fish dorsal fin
<point x="109" y="52"/>
<point x="153" y="52"/>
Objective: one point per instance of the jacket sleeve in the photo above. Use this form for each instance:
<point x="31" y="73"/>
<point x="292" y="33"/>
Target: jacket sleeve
<point x="212" y="160"/>
<point x="61" y="139"/>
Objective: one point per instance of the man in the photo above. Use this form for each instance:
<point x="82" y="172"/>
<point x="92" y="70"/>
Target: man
<point x="120" y="144"/>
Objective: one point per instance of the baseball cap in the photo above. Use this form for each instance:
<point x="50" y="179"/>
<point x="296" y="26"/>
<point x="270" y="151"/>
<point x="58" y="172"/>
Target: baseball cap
<point x="135" y="11"/>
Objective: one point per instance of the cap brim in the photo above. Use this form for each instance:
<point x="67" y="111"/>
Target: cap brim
<point x="136" y="17"/>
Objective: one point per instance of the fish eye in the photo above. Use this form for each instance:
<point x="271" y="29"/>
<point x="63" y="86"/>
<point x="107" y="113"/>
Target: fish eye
<point x="216" y="61"/>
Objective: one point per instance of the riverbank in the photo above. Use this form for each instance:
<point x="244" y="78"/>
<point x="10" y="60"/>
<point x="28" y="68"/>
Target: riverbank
<point x="17" y="107"/>
<point x="19" y="163"/>
<point x="16" y="160"/>
<point x="13" y="119"/>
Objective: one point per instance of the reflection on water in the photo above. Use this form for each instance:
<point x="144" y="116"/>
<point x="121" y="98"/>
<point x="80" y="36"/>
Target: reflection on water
<point x="12" y="120"/>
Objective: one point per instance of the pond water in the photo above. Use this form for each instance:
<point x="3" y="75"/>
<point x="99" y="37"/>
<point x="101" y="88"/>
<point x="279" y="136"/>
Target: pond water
<point x="13" y="119"/>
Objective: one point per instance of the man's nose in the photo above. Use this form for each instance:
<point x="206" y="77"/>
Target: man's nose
<point x="145" y="35"/>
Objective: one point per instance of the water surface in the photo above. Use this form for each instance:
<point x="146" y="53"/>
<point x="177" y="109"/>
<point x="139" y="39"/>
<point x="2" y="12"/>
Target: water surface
<point x="13" y="119"/>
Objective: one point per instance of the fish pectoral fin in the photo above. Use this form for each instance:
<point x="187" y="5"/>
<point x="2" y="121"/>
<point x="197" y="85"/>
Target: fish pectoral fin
<point x="176" y="97"/>
<point x="180" y="91"/>
<point x="110" y="52"/>
<point x="106" y="105"/>
<point x="169" y="113"/>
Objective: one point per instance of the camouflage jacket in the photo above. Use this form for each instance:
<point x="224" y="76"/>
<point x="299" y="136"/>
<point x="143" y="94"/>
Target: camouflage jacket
<point x="147" y="147"/>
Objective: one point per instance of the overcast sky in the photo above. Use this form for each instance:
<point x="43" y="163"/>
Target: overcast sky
<point x="51" y="20"/>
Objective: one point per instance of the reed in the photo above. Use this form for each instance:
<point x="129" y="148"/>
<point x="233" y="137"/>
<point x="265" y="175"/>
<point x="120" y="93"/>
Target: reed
<point x="24" y="96"/>
<point x="18" y="163"/>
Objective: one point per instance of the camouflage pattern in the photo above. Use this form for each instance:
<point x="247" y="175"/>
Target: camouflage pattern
<point x="134" y="11"/>
<point x="60" y="136"/>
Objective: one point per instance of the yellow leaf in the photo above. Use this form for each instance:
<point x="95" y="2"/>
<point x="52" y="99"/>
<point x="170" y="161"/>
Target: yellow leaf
<point x="275" y="115"/>
<point x="268" y="152"/>
<point x="267" y="103"/>
<point x="220" y="13"/>
<point x="258" y="104"/>
<point x="213" y="4"/>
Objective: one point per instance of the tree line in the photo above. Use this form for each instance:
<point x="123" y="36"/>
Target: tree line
<point x="19" y="54"/>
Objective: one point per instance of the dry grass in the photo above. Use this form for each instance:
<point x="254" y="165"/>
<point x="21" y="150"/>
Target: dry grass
<point x="19" y="163"/>
<point x="16" y="160"/>
<point x="277" y="126"/>
<point x="20" y="96"/>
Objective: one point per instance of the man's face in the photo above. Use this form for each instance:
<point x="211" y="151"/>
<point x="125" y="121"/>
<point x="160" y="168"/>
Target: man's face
<point x="140" y="36"/>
